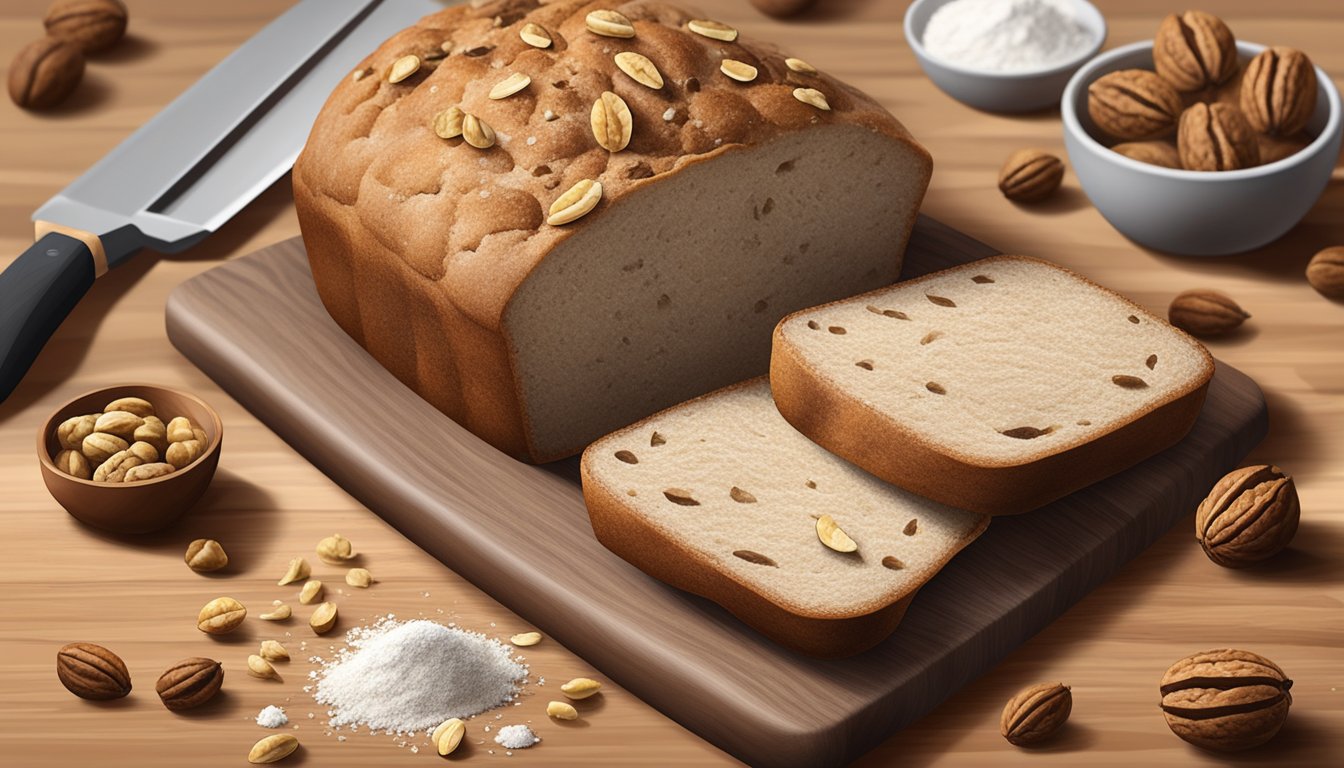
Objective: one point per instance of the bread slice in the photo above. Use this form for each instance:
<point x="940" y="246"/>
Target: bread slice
<point x="997" y="386"/>
<point x="721" y="497"/>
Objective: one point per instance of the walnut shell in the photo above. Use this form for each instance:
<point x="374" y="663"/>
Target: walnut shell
<point x="1194" y="50"/>
<point x="1030" y="175"/>
<point x="1216" y="137"/>
<point x="92" y="672"/>
<point x="90" y="25"/>
<point x="1035" y="713"/>
<point x="1325" y="272"/>
<point x="1203" y="312"/>
<point x="44" y="73"/>
<point x="1278" y="92"/>
<point x="1133" y="104"/>
<point x="1160" y="153"/>
<point x="190" y="683"/>
<point x="1249" y="516"/>
<point x="1225" y="700"/>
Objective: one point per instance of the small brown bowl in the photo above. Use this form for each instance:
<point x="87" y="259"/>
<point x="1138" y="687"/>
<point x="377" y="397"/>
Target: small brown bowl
<point x="143" y="506"/>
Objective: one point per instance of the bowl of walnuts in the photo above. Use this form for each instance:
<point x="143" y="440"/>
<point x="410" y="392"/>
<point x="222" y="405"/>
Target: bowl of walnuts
<point x="130" y="459"/>
<point x="1198" y="144"/>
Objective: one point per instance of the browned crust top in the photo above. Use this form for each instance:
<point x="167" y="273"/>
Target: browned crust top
<point x="474" y="219"/>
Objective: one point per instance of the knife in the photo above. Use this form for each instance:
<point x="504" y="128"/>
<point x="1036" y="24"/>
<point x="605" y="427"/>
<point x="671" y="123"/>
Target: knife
<point x="192" y="167"/>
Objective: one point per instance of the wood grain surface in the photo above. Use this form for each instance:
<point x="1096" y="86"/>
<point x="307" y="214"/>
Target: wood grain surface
<point x="289" y="364"/>
<point x="268" y="504"/>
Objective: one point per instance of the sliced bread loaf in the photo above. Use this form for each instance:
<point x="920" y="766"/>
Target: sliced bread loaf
<point x="721" y="497"/>
<point x="997" y="386"/>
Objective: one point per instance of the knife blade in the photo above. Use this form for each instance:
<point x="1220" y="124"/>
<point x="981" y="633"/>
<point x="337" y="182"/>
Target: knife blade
<point x="188" y="170"/>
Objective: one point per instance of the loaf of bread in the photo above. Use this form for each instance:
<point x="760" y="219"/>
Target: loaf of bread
<point x="996" y="386"/>
<point x="734" y="185"/>
<point x="721" y="497"/>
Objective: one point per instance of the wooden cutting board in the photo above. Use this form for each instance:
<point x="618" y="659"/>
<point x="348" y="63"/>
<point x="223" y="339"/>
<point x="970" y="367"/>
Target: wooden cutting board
<point x="521" y="533"/>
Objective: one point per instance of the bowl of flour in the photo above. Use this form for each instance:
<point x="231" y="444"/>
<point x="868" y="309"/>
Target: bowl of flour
<point x="1004" y="55"/>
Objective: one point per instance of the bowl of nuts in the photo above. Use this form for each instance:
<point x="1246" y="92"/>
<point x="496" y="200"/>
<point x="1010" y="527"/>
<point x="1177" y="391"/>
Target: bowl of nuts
<point x="130" y="459"/>
<point x="1200" y="145"/>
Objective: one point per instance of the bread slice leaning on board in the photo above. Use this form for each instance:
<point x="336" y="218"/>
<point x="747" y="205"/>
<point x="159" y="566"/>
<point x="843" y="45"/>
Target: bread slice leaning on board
<point x="996" y="386"/>
<point x="541" y="325"/>
<point x="720" y="497"/>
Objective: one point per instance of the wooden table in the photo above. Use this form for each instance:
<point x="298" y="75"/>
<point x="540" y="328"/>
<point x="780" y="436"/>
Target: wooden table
<point x="66" y="582"/>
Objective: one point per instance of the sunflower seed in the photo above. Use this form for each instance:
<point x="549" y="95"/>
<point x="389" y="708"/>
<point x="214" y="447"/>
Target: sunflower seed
<point x="577" y="201"/>
<point x="640" y="69"/>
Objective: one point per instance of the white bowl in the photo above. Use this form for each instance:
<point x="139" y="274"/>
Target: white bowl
<point x="1029" y="91"/>
<point x="1197" y="213"/>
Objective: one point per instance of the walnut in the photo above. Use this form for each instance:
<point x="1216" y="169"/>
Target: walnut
<point x="1225" y="700"/>
<point x="44" y="73"/>
<point x="1249" y="516"/>
<point x="90" y="25"/>
<point x="1216" y="137"/>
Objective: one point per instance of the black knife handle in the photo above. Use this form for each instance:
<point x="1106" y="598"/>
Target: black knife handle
<point x="37" y="292"/>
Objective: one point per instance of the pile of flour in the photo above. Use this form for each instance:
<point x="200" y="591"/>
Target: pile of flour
<point x="412" y="675"/>
<point x="1006" y="35"/>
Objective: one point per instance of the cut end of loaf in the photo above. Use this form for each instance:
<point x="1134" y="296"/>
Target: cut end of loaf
<point x="675" y="291"/>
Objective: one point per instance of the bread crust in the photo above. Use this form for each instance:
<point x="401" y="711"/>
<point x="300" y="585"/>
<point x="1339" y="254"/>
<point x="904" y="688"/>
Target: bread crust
<point x="418" y="244"/>
<point x="873" y="440"/>
<point x="835" y="634"/>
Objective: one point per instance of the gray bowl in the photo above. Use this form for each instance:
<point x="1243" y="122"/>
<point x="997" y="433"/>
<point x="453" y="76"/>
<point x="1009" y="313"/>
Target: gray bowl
<point x="1197" y="213"/>
<point x="1029" y="91"/>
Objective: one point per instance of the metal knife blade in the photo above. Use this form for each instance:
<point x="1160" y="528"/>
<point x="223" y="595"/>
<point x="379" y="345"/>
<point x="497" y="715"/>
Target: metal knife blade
<point x="193" y="166"/>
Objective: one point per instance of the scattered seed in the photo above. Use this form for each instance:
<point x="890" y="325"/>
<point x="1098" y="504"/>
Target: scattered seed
<point x="535" y="35"/>
<point x="576" y="202"/>
<point x="812" y="97"/>
<point x="755" y="558"/>
<point x="1129" y="382"/>
<point x="640" y="69"/>
<point x="477" y="132"/>
<point x="833" y="536"/>
<point x="510" y="85"/>
<point x="738" y="70"/>
<point x="712" y="29"/>
<point x="800" y="66"/>
<point x="982" y="279"/>
<point x="940" y="300"/>
<point x="741" y="496"/>
<point x="837" y="330"/>
<point x="611" y="122"/>
<point x="656" y="440"/>
<point x="893" y="313"/>
<point x="892" y="563"/>
<point x="561" y="710"/>
<point x="1026" y="433"/>
<point x="580" y="688"/>
<point x="448" y="123"/>
<point x="403" y="68"/>
<point x="1151" y="362"/>
<point x="526" y="639"/>
<point x="681" y="497"/>
<point x="866" y="365"/>
<point x="912" y="527"/>
<point x="609" y="24"/>
<point x="627" y="457"/>
<point x="935" y="388"/>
